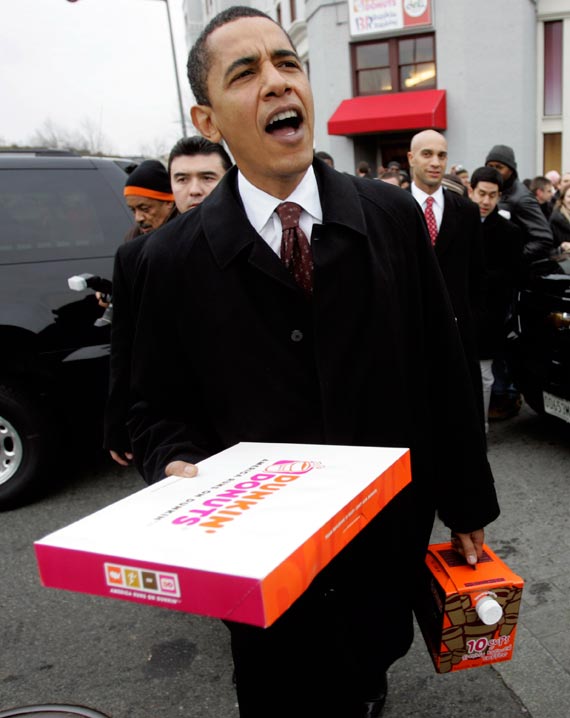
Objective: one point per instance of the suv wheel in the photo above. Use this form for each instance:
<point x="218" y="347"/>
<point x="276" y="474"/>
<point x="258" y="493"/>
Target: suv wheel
<point x="24" y="447"/>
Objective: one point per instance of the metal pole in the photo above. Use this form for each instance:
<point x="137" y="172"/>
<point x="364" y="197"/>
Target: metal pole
<point x="180" y="105"/>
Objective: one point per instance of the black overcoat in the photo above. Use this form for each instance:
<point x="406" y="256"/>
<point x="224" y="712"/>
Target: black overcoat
<point x="459" y="250"/>
<point x="503" y="243"/>
<point x="228" y="349"/>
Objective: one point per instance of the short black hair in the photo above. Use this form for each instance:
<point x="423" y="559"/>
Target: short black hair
<point x="198" y="145"/>
<point x="199" y="60"/>
<point x="539" y="182"/>
<point x="487" y="174"/>
<point x="363" y="166"/>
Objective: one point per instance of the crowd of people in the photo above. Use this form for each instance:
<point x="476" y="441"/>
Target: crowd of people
<point x="521" y="222"/>
<point x="549" y="190"/>
<point x="296" y="303"/>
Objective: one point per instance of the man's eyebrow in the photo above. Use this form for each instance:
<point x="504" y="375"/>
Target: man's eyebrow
<point x="240" y="62"/>
<point x="285" y="53"/>
<point x="252" y="59"/>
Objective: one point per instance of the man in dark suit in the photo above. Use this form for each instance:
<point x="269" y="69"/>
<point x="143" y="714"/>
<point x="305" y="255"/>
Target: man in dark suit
<point x="232" y="345"/>
<point x="456" y="237"/>
<point x="503" y="243"/>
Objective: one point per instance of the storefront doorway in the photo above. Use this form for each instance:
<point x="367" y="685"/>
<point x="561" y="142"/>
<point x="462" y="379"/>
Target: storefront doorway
<point x="380" y="149"/>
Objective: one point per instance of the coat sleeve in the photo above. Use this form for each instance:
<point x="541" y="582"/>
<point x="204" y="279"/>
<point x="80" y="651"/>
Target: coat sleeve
<point x="539" y="241"/>
<point x="167" y="419"/>
<point x="460" y="483"/>
<point x="560" y="228"/>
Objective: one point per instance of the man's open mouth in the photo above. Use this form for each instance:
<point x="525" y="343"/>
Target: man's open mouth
<point x="284" y="121"/>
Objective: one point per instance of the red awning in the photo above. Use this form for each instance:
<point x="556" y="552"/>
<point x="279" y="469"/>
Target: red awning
<point x="392" y="112"/>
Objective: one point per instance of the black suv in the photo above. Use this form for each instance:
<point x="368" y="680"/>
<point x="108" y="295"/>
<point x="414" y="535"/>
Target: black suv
<point x="59" y="216"/>
<point x="541" y="349"/>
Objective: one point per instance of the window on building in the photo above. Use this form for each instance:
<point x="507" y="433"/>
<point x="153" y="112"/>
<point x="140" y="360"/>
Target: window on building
<point x="293" y="10"/>
<point x="553" y="68"/>
<point x="398" y="64"/>
<point x="552" y="159"/>
<point x="278" y="12"/>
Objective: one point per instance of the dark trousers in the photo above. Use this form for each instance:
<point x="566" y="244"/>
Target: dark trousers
<point x="327" y="653"/>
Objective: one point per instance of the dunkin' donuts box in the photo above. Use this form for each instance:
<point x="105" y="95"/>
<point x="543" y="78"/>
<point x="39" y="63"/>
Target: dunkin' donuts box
<point x="240" y="541"/>
<point x="468" y="617"/>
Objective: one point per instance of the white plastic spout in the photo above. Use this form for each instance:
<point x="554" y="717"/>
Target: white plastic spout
<point x="489" y="610"/>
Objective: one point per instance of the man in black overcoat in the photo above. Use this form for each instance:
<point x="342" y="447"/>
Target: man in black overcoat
<point x="503" y="243"/>
<point x="229" y="348"/>
<point x="458" y="244"/>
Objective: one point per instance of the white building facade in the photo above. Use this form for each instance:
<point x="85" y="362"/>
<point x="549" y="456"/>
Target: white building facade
<point x="483" y="73"/>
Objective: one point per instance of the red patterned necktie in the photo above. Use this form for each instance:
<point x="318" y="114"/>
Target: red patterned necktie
<point x="430" y="219"/>
<point x="295" y="248"/>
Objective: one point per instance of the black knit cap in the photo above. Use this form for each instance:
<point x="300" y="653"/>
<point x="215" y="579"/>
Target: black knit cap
<point x="149" y="179"/>
<point x="503" y="154"/>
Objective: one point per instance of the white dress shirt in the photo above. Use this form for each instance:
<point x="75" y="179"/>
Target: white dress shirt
<point x="260" y="208"/>
<point x="420" y="196"/>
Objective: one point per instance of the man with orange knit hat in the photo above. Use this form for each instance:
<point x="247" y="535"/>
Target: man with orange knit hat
<point x="149" y="196"/>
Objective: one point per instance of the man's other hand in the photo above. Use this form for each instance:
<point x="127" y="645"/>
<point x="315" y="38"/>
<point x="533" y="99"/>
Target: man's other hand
<point x="123" y="459"/>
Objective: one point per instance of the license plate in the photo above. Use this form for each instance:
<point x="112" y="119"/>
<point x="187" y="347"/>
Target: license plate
<point x="556" y="406"/>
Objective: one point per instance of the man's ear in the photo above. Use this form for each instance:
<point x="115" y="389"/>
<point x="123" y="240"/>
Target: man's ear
<point x="204" y="121"/>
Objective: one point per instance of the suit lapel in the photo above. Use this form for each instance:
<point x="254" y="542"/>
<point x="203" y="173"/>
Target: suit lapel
<point x="230" y="234"/>
<point x="448" y="224"/>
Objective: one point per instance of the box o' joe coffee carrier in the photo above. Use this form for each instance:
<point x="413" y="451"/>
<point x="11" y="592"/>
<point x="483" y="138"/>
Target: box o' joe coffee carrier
<point x="468" y="617"/>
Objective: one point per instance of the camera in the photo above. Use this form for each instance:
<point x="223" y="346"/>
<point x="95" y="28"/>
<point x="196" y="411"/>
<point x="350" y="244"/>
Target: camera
<point x="81" y="282"/>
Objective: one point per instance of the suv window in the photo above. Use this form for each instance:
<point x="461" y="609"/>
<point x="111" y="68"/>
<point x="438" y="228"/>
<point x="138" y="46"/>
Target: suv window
<point x="49" y="214"/>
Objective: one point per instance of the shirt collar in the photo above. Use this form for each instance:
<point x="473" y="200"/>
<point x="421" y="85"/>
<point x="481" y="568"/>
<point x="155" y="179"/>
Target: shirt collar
<point x="421" y="196"/>
<point x="259" y="206"/>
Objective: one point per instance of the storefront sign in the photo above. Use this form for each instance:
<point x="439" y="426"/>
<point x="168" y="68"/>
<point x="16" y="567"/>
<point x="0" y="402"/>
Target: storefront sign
<point x="377" y="16"/>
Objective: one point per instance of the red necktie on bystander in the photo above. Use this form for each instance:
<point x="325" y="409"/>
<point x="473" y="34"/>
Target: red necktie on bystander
<point x="430" y="219"/>
<point x="295" y="248"/>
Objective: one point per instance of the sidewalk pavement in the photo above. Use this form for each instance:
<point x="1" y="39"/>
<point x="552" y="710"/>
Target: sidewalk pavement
<point x="132" y="660"/>
<point x="530" y="456"/>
